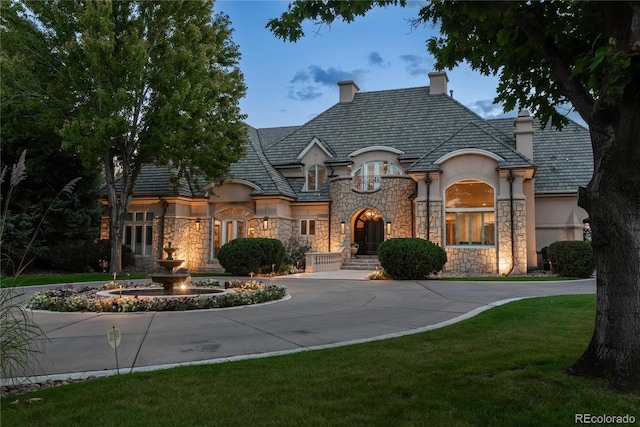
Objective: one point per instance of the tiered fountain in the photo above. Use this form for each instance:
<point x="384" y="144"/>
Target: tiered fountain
<point x="170" y="278"/>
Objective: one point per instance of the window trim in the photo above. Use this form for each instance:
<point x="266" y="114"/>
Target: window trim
<point x="144" y="226"/>
<point x="307" y="228"/>
<point x="317" y="185"/>
<point x="365" y="182"/>
<point x="461" y="210"/>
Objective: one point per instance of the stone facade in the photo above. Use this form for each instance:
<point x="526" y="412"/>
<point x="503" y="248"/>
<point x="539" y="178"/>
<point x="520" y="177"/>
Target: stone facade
<point x="392" y="200"/>
<point x="503" y="213"/>
<point x="471" y="260"/>
<point x="435" y="221"/>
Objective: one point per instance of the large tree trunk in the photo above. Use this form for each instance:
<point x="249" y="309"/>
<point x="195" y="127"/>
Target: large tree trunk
<point x="117" y="212"/>
<point x="117" y="238"/>
<point x="612" y="200"/>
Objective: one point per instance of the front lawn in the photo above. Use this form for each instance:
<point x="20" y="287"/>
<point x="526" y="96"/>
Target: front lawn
<point x="504" y="367"/>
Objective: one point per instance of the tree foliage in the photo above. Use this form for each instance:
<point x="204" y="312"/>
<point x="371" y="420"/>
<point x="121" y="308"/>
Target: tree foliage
<point x="546" y="54"/>
<point x="136" y="82"/>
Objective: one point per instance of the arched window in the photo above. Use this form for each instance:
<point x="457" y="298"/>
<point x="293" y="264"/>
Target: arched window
<point x="315" y="178"/>
<point x="368" y="176"/>
<point x="470" y="214"/>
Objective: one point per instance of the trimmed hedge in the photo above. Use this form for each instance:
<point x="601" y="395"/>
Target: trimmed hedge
<point x="571" y="258"/>
<point x="411" y="258"/>
<point x="243" y="256"/>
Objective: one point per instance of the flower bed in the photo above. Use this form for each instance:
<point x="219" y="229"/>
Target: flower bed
<point x="69" y="299"/>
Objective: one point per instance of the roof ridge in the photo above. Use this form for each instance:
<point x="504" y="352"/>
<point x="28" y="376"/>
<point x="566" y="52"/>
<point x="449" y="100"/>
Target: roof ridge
<point x="271" y="171"/>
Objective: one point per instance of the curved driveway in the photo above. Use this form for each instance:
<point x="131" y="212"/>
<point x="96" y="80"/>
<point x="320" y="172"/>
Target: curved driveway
<point x="323" y="310"/>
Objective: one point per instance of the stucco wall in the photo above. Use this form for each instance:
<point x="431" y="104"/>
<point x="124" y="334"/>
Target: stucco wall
<point x="558" y="217"/>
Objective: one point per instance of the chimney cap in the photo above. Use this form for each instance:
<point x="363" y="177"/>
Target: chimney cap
<point x="348" y="82"/>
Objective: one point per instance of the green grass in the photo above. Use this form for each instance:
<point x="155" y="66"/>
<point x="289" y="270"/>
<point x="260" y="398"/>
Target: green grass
<point x="504" y="367"/>
<point x="49" y="279"/>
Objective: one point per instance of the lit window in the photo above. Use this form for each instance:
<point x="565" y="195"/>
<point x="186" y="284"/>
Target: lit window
<point x="470" y="214"/>
<point x="307" y="227"/>
<point x="315" y="178"/>
<point x="138" y="232"/>
<point x="232" y="229"/>
<point x="368" y="176"/>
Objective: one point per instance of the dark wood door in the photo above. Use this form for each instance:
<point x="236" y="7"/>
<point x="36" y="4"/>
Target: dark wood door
<point x="368" y="235"/>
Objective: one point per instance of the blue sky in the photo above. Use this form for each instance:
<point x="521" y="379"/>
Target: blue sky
<point x="290" y="83"/>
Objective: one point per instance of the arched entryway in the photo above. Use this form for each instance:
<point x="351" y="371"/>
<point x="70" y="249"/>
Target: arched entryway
<point x="368" y="231"/>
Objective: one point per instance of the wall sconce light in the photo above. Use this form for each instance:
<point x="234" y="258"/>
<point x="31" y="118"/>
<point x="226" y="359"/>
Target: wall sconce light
<point x="342" y="228"/>
<point x="198" y="224"/>
<point x="388" y="228"/>
<point x="265" y="223"/>
<point x="385" y="167"/>
<point x="349" y="166"/>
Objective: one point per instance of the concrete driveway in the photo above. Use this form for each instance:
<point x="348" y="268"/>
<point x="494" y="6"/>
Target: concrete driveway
<point x="322" y="310"/>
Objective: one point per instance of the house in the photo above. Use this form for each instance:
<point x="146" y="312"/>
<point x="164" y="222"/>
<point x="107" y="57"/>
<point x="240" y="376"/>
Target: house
<point x="377" y="165"/>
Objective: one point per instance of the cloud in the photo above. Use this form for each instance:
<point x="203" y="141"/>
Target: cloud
<point x="375" y="59"/>
<point x="486" y="108"/>
<point x="306" y="84"/>
<point x="417" y="65"/>
<point x="305" y="93"/>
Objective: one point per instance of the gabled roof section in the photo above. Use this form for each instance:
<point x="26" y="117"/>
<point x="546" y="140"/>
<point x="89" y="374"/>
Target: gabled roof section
<point x="564" y="158"/>
<point x="409" y="120"/>
<point x="316" y="141"/>
<point x="476" y="136"/>
<point x="255" y="168"/>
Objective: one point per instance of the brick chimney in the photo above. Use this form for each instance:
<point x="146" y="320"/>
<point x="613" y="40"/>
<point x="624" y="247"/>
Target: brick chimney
<point x="348" y="90"/>
<point x="523" y="131"/>
<point x="438" y="82"/>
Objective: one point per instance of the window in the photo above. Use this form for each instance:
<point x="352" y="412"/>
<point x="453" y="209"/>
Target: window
<point x="470" y="214"/>
<point x="315" y="178"/>
<point x="368" y="176"/>
<point x="138" y="232"/>
<point x="232" y="229"/>
<point x="307" y="227"/>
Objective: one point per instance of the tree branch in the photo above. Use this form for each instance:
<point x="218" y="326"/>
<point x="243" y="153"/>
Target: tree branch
<point x="575" y="91"/>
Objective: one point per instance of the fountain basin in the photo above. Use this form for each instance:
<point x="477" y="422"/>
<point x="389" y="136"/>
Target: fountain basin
<point x="168" y="280"/>
<point x="170" y="264"/>
<point x="160" y="292"/>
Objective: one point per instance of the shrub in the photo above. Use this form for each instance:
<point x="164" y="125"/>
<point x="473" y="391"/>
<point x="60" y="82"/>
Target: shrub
<point x="571" y="258"/>
<point x="411" y="258"/>
<point x="295" y="251"/>
<point x="244" y="256"/>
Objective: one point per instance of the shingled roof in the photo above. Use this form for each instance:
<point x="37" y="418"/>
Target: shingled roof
<point x="255" y="167"/>
<point x="422" y="126"/>
<point x="564" y="158"/>
<point x="407" y="119"/>
<point x="159" y="181"/>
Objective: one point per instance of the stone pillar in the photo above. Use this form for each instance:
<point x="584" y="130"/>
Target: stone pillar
<point x="511" y="191"/>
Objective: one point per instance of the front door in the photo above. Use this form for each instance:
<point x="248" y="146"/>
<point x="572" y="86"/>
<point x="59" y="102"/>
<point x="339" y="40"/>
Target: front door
<point x="369" y="232"/>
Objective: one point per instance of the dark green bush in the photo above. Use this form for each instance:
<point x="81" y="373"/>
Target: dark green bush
<point x="411" y="258"/>
<point x="571" y="258"/>
<point x="244" y="256"/>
